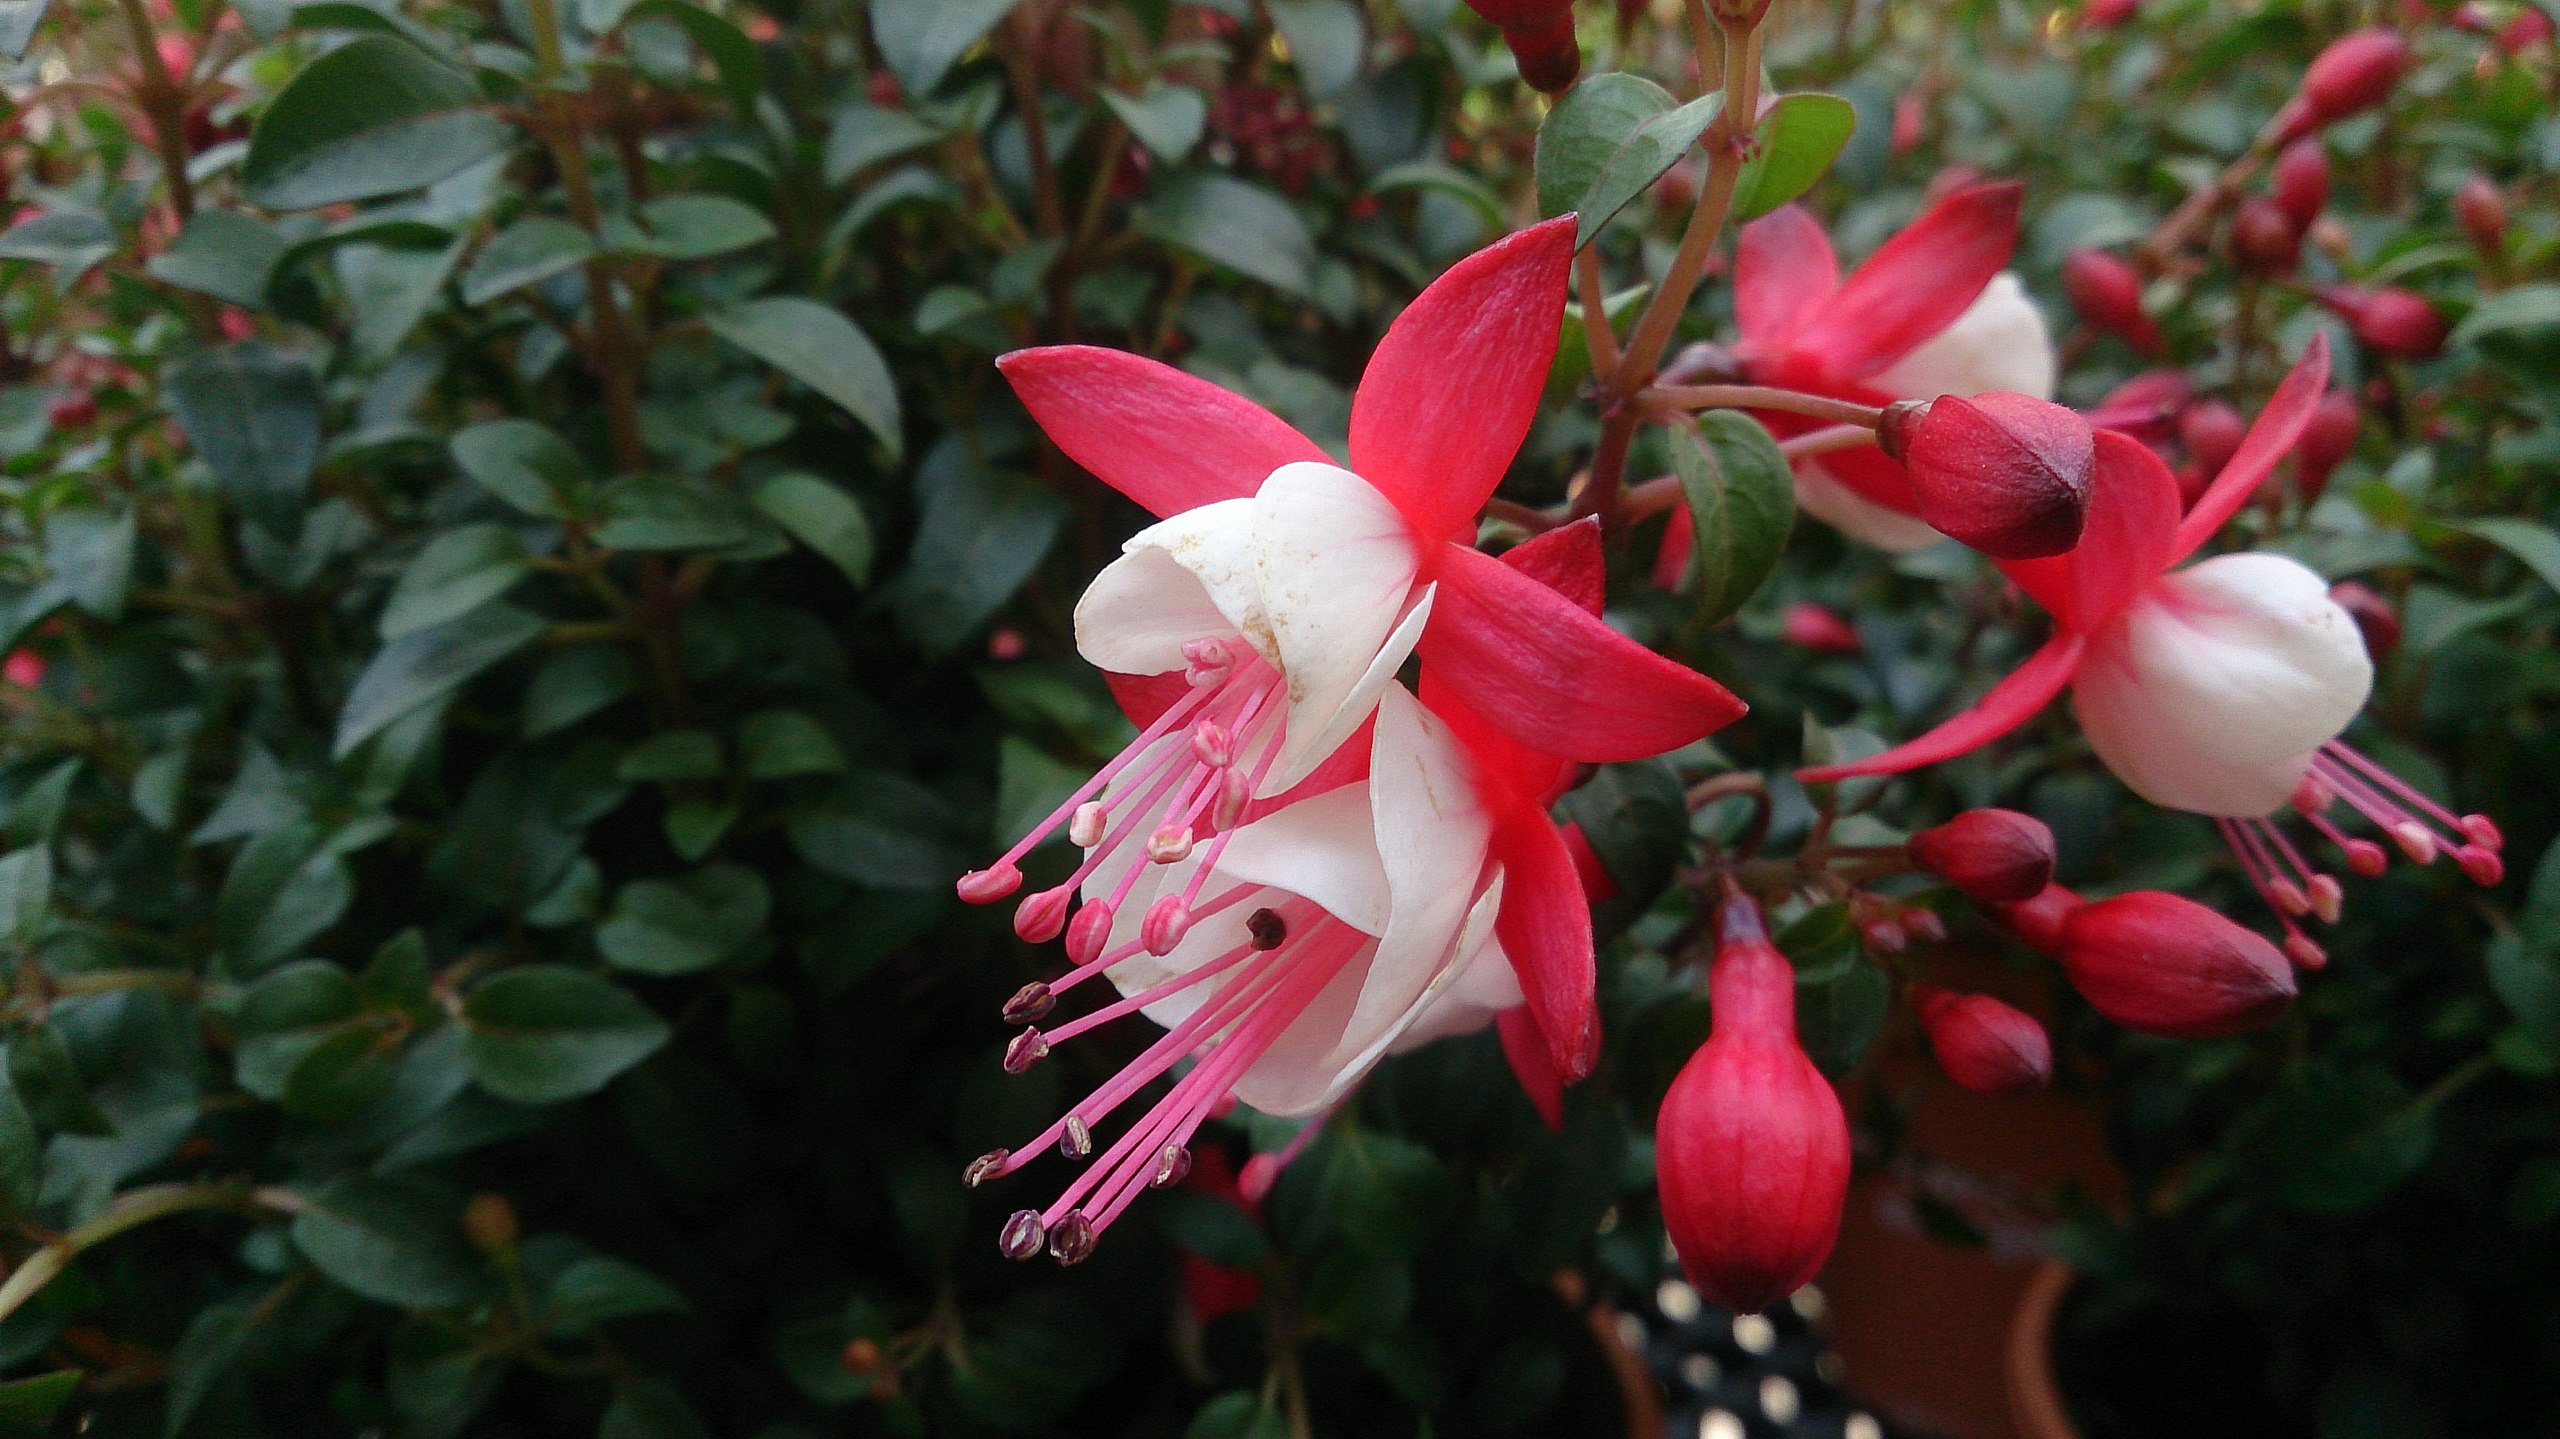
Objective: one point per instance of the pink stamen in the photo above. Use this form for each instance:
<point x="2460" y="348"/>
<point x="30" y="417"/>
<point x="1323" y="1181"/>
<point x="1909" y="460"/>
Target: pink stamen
<point x="1091" y="823"/>
<point x="1172" y="719"/>
<point x="1263" y="1170"/>
<point x="1090" y="931"/>
<point x="2393" y="784"/>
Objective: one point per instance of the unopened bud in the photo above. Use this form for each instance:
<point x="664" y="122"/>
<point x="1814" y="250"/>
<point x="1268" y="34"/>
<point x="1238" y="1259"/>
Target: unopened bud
<point x="2305" y="952"/>
<point x="489" y="1222"/>
<point x="861" y="1358"/>
<point x="1983" y="1044"/>
<point x="2483" y="831"/>
<point x="1022" y="1236"/>
<point x="1751" y="1146"/>
<point x="2264" y="240"/>
<point x="2482" y="212"/>
<point x="2328" y="437"/>
<point x="2108" y="294"/>
<point x="1073" y="1240"/>
<point x="2301" y="182"/>
<point x="986" y="886"/>
<point x="2107" y="14"/>
<point x="1540" y="34"/>
<point x="2158" y="963"/>
<point x="2374" y="617"/>
<point x="2038" y="921"/>
<point x="2005" y="473"/>
<point x="2356" y="72"/>
<point x="1991" y="856"/>
<point x="2211" y="431"/>
<point x="1089" y="933"/>
<point x="1810" y="626"/>
<point x="2395" y="321"/>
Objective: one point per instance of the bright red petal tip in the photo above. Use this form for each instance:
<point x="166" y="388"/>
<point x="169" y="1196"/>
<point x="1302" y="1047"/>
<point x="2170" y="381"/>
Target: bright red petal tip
<point x="1526" y="1048"/>
<point x="1169" y="440"/>
<point x="1918" y="282"/>
<point x="1783" y="269"/>
<point x="2279" y="425"/>
<point x="1567" y="559"/>
<point x="1545" y="927"/>
<point x="2009" y="704"/>
<point x="1449" y="395"/>
<point x="2126" y="538"/>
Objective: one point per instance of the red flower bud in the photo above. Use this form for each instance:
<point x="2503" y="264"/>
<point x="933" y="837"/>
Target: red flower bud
<point x="1983" y="1044"/>
<point x="1751" y="1147"/>
<point x="2160" y="964"/>
<point x="1910" y="121"/>
<point x="2264" y="239"/>
<point x="2107" y="14"/>
<point x="1812" y="627"/>
<point x="2108" y="294"/>
<point x="2007" y="474"/>
<point x="23" y="668"/>
<point x="2374" y="617"/>
<point x="2395" y="321"/>
<point x="2146" y="407"/>
<point x="1540" y="34"/>
<point x="1993" y="856"/>
<point x="2530" y="27"/>
<point x="2301" y="182"/>
<point x="73" y="410"/>
<point x="2038" y="921"/>
<point x="2482" y="212"/>
<point x="2211" y="431"/>
<point x="2356" y="72"/>
<point x="2327" y="440"/>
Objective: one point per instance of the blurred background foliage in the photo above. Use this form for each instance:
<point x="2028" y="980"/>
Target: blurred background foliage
<point x="524" y="589"/>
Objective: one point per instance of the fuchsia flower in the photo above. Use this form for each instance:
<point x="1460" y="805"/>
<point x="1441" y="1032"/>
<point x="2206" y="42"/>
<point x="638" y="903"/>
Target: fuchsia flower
<point x="1930" y="313"/>
<point x="2221" y="688"/>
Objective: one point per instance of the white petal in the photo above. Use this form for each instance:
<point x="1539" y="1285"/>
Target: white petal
<point x="2214" y="689"/>
<point x="1324" y="848"/>
<point x="1854" y="515"/>
<point x="1336" y="565"/>
<point x="1297" y="1075"/>
<point x="1141" y="610"/>
<point x="1301" y="751"/>
<point x="1998" y="343"/>
<point x="1483" y="985"/>
<point x="1215" y="543"/>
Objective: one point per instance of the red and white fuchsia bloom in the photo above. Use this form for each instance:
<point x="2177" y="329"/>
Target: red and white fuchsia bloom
<point x="1932" y="312"/>
<point x="2221" y="688"/>
<point x="1273" y="605"/>
<point x="1298" y="868"/>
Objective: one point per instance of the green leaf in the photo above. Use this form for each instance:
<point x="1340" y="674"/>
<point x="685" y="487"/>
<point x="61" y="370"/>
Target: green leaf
<point x="821" y="349"/>
<point x="2528" y="983"/>
<point x="1838" y="1018"/>
<point x="597" y="1288"/>
<point x="26" y="894"/>
<point x="920" y="39"/>
<point x="27" y="1405"/>
<point x="574" y="684"/>
<point x="253" y="412"/>
<point x="285" y="1016"/>
<point x="524" y="464"/>
<point x="48" y="1082"/>
<point x="880" y="830"/>
<point x="983" y="532"/>
<point x="1794" y="144"/>
<point x="1240" y="1415"/>
<point x="1609" y="138"/>
<point x="864" y="134"/>
<point x="821" y="516"/>
<point x="740" y="63"/>
<point x="527" y="252"/>
<point x="654" y="512"/>
<point x="780" y="743"/>
<point x="680" y="926"/>
<point x="421" y="669"/>
<point x="1326" y="38"/>
<point x="675" y="755"/>
<point x="651" y="1408"/>
<point x="1167" y="119"/>
<point x="1741" y="503"/>
<point x="2535" y="545"/>
<point x="71" y="241"/>
<point x="21" y="1150"/>
<point x="227" y="254"/>
<point x="697" y="227"/>
<point x="391" y="288"/>
<point x="376" y="116"/>
<point x="213" y="1340"/>
<point x="546" y="1032"/>
<point x="2518" y="326"/>
<point x="392" y="1241"/>
<point x="1228" y="222"/>
<point x="285" y="889"/>
<point x="459" y="571"/>
<point x="1442" y="178"/>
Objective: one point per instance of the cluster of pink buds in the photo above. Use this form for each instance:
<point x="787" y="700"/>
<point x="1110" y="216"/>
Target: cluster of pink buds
<point x="1751" y="1147"/>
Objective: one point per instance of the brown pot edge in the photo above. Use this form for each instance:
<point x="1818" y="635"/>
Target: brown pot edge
<point x="2035" y="1398"/>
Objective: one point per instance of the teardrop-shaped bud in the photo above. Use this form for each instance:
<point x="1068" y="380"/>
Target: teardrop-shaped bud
<point x="2355" y="72"/>
<point x="2005" y="473"/>
<point x="1039" y="919"/>
<point x="2327" y="439"/>
<point x="2264" y="240"/>
<point x="2395" y="321"/>
<point x="1810" y="626"/>
<point x="1751" y="1147"/>
<point x="2108" y="294"/>
<point x="1981" y="1043"/>
<point x="2300" y="183"/>
<point x="1991" y="856"/>
<point x="986" y="886"/>
<point x="1089" y="931"/>
<point x="2374" y="616"/>
<point x="2158" y="963"/>
<point x="2482" y="212"/>
<point x="2038" y="921"/>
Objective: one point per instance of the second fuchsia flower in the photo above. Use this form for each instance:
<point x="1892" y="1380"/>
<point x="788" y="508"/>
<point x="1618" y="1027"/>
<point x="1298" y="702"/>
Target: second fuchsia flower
<point x="2221" y="688"/>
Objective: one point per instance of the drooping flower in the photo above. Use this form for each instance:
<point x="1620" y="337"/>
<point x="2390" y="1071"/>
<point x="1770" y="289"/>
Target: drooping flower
<point x="1932" y="312"/>
<point x="1253" y="629"/>
<point x="1751" y="1149"/>
<point x="2221" y="688"/>
<point x="1329" y="933"/>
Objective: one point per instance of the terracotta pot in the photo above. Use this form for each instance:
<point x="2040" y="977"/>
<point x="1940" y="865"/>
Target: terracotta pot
<point x="2035" y="1398"/>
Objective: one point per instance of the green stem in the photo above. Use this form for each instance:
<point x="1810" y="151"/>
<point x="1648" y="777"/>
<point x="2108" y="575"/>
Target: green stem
<point x="129" y="1210"/>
